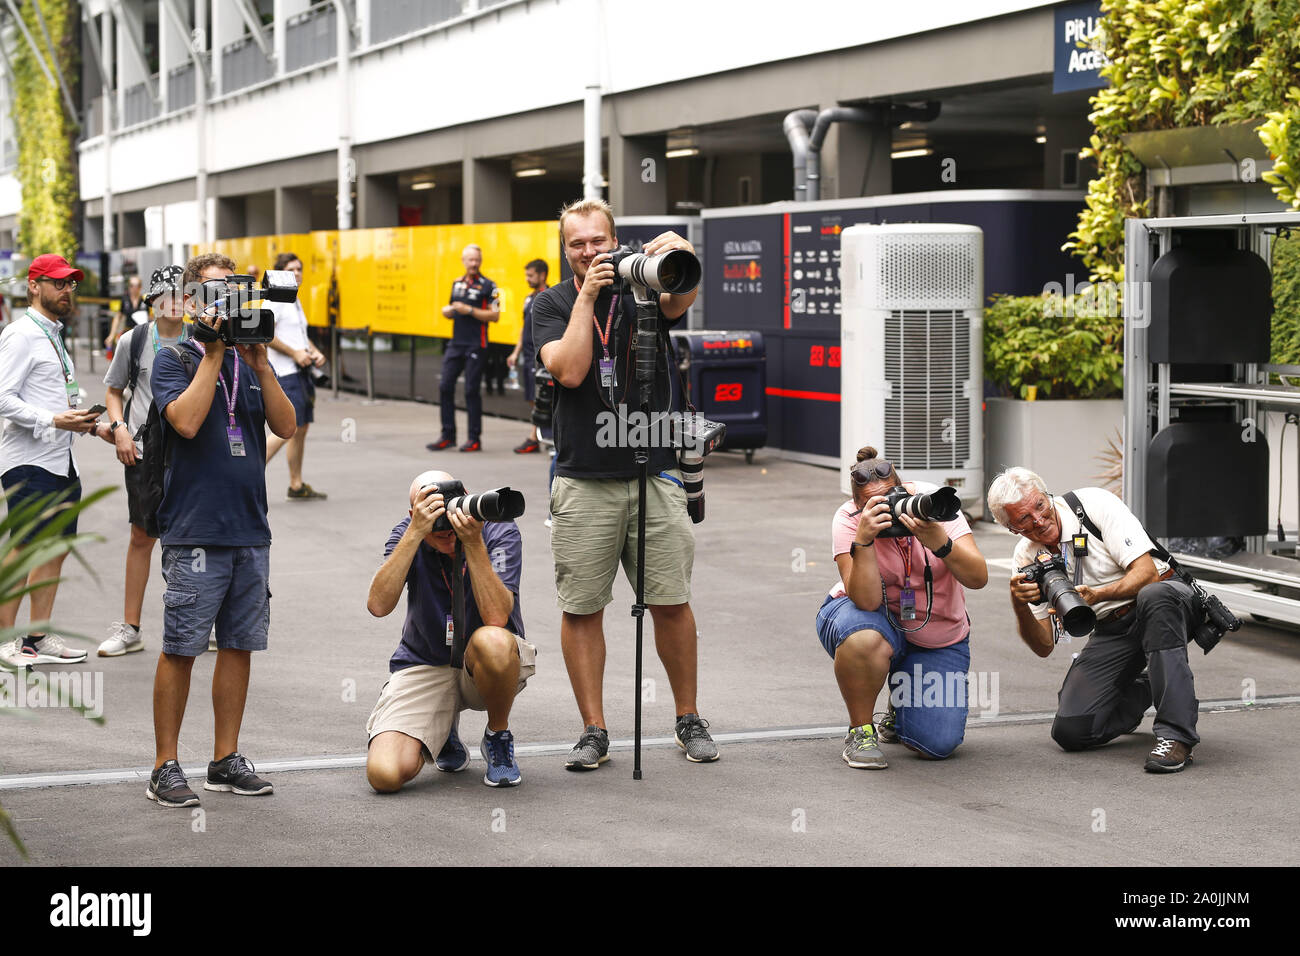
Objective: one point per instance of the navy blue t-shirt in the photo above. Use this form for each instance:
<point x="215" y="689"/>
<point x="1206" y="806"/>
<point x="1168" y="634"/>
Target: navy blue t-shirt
<point x="480" y="293"/>
<point x="429" y="597"/>
<point x="211" y="497"/>
<point x="526" y="347"/>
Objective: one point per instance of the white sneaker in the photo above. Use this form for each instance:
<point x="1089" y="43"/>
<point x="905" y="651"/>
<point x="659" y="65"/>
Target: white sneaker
<point x="52" y="650"/>
<point x="11" y="655"/>
<point x="122" y="639"/>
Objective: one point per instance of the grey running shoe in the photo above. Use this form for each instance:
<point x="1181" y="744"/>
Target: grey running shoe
<point x="591" y="750"/>
<point x="692" y="735"/>
<point x="234" y="774"/>
<point x="862" y="749"/>
<point x="169" y="788"/>
<point x="1168" y="756"/>
<point x="51" y="650"/>
<point x="887" y="726"/>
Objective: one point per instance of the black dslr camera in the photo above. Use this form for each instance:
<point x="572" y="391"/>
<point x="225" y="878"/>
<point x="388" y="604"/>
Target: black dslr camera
<point x="544" y="400"/>
<point x="499" y="504"/>
<point x="229" y="300"/>
<point x="694" y="437"/>
<point x="1218" y="620"/>
<point x="1048" y="572"/>
<point x="940" y="505"/>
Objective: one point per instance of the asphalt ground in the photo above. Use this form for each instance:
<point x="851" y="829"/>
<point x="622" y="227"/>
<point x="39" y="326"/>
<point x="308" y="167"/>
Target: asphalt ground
<point x="779" y="795"/>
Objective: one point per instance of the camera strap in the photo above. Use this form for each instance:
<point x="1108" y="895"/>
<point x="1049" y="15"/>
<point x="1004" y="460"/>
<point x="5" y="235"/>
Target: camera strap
<point x="1157" y="549"/>
<point x="929" y="590"/>
<point x="459" y="637"/>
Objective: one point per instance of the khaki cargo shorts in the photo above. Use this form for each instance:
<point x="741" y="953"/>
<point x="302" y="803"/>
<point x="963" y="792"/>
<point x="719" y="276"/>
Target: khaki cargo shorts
<point x="423" y="702"/>
<point x="593" y="529"/>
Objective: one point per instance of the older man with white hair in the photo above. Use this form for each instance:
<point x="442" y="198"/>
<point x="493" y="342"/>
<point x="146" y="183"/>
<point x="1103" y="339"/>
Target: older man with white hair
<point x="419" y="708"/>
<point x="1137" y="654"/>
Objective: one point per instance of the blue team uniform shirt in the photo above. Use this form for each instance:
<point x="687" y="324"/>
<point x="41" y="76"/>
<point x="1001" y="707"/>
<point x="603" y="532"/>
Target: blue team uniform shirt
<point x="429" y="596"/>
<point x="481" y="293"/>
<point x="210" y="497"/>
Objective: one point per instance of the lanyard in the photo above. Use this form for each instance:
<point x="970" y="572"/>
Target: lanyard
<point x="905" y="555"/>
<point x="443" y="572"/>
<point x="153" y="327"/>
<point x="232" y="397"/>
<point x="64" y="364"/>
<point x="603" y="335"/>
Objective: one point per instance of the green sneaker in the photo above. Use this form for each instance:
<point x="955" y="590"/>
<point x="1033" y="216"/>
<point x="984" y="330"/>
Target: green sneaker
<point x="862" y="749"/>
<point x="306" y="492"/>
<point x="887" y="726"/>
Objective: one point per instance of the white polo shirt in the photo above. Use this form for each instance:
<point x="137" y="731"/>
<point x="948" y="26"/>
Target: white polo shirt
<point x="291" y="329"/>
<point x="1108" y="560"/>
<point x="32" y="392"/>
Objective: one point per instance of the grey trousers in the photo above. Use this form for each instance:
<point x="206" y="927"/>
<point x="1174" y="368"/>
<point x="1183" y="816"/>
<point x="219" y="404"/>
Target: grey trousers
<point x="1124" y="668"/>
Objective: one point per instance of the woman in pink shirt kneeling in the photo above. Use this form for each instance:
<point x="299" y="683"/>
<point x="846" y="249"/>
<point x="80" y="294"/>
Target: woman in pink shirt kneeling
<point x="898" y="612"/>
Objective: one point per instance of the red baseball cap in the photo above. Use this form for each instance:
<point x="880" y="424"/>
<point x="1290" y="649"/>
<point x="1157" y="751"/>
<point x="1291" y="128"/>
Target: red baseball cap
<point x="53" y="267"/>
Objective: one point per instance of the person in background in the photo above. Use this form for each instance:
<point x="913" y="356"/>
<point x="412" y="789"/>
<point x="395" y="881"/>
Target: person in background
<point x="293" y="357"/>
<point x="522" y="358"/>
<point x="132" y="311"/>
<point x="472" y="308"/>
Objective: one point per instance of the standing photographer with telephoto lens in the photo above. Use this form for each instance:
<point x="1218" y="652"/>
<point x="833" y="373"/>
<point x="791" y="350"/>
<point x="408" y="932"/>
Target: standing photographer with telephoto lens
<point x="1144" y="618"/>
<point x="584" y="333"/>
<point x="875" y="626"/>
<point x="216" y="542"/>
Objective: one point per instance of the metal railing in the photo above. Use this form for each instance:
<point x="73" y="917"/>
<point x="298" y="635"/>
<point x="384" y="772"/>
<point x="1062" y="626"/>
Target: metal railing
<point x="311" y="37"/>
<point x="393" y="18"/>
<point x="181" y="87"/>
<point x="137" y="105"/>
<point x="243" y="64"/>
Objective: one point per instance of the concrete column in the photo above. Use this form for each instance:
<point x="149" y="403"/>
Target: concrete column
<point x="376" y="202"/>
<point x="229" y="220"/>
<point x="486" y="192"/>
<point x="855" y="154"/>
<point x="292" y="210"/>
<point x="638" y="175"/>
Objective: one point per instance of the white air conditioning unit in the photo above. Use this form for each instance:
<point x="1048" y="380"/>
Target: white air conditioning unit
<point x="912" y="357"/>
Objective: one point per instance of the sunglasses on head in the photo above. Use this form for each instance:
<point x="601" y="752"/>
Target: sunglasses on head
<point x="865" y="472"/>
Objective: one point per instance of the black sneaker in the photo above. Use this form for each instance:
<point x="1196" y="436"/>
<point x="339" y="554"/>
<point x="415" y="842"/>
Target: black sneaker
<point x="692" y="735"/>
<point x="591" y="750"/>
<point x="234" y="774"/>
<point x="169" y="788"/>
<point x="442" y="444"/>
<point x="472" y="445"/>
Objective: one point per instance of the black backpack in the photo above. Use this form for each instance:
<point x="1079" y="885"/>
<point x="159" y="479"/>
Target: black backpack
<point x="150" y="436"/>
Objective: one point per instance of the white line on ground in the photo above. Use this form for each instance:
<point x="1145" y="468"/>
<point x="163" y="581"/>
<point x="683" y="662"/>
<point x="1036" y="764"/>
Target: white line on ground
<point x="73" y="778"/>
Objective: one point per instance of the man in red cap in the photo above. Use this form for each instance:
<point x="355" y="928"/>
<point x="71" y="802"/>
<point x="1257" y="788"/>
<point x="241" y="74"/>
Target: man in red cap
<point x="40" y="398"/>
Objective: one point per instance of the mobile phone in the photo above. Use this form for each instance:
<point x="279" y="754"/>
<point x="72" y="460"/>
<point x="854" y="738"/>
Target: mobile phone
<point x="97" y="409"/>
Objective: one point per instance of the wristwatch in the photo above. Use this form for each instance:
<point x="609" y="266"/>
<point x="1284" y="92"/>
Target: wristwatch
<point x="112" y="426"/>
<point x="944" y="551"/>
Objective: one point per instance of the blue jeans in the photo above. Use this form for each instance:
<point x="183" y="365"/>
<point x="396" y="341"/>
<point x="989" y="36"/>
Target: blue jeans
<point x="927" y="685"/>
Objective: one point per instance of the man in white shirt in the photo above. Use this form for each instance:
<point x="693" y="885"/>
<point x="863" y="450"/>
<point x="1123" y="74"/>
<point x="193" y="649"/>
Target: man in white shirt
<point x="1137" y="655"/>
<point x="39" y="399"/>
<point x="292" y="357"/>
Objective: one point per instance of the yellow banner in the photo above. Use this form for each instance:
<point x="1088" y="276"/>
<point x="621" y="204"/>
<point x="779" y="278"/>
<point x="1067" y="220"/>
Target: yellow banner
<point x="397" y="280"/>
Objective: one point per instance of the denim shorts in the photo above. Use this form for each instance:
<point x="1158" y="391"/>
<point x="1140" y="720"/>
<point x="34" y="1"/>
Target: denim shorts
<point x="926" y="685"/>
<point x="37" y="483"/>
<point x="213" y="585"/>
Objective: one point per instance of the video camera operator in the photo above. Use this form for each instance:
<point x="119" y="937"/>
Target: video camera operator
<point x="215" y="406"/>
<point x="584" y="335"/>
<point x="1137" y="653"/>
<point x="419" y="707"/>
<point x="868" y="622"/>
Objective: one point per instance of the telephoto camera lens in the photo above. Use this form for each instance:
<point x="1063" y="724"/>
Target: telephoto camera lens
<point x="676" y="271"/>
<point x="940" y="505"/>
<point x="1076" y="616"/>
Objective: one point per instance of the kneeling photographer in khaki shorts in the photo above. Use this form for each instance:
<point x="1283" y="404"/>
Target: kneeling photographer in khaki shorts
<point x="418" y="710"/>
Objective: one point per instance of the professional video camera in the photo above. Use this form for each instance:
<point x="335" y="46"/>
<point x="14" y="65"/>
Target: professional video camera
<point x="694" y="437"/>
<point x="1048" y="572"/>
<point x="676" y="271"/>
<point x="230" y="300"/>
<point x="499" y="504"/>
<point x="939" y="505"/>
